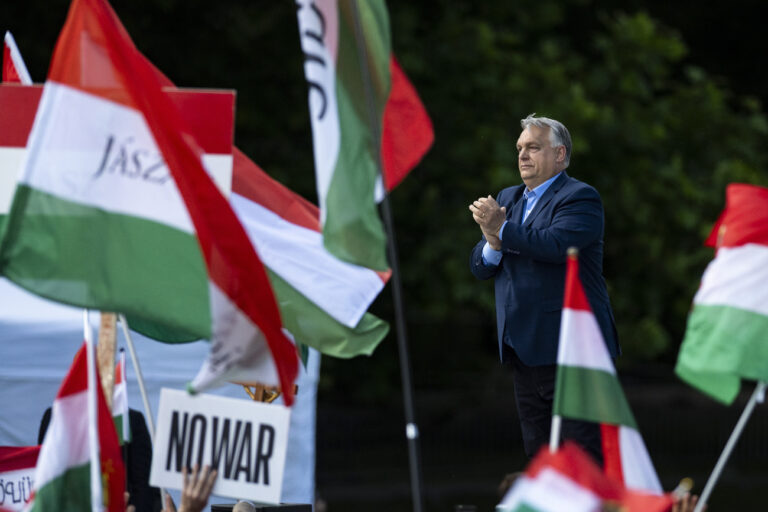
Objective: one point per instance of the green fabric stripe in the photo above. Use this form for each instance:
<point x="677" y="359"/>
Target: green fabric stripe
<point x="591" y="395"/>
<point x="90" y="258"/>
<point x="69" y="492"/>
<point x="118" y="420"/>
<point x="352" y="230"/>
<point x="312" y="326"/>
<point x="723" y="344"/>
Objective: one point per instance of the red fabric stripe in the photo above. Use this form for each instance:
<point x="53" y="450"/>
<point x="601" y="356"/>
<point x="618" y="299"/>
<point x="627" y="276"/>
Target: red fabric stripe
<point x="10" y="74"/>
<point x="201" y="110"/>
<point x="574" y="292"/>
<point x="13" y="458"/>
<point x="18" y="104"/>
<point x="744" y="219"/>
<point x="574" y="463"/>
<point x="93" y="29"/>
<point x="251" y="182"/>
<point x="407" y="131"/>
<point x="76" y="380"/>
<point x="611" y="452"/>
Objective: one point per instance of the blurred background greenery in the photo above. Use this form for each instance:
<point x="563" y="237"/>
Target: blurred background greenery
<point x="664" y="100"/>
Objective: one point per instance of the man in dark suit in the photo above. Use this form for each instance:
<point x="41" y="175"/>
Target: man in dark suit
<point x="527" y="231"/>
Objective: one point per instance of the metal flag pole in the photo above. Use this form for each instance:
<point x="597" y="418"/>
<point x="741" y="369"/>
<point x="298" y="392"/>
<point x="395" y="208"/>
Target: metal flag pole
<point x="411" y="429"/>
<point x="757" y="396"/>
<point x="139" y="377"/>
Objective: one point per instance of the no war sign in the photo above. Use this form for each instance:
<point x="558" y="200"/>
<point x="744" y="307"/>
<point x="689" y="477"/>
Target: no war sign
<point x="244" y="441"/>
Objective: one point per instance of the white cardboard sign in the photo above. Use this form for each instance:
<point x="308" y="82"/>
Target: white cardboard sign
<point x="244" y="441"/>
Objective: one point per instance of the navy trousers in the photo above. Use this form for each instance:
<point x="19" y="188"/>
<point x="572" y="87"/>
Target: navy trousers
<point x="534" y="395"/>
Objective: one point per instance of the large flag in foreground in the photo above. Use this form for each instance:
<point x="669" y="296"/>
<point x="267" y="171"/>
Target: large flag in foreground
<point x="726" y="339"/>
<point x="569" y="480"/>
<point x="587" y="389"/>
<point x="149" y="236"/>
<point x="351" y="97"/>
<point x="323" y="300"/>
<point x="63" y="475"/>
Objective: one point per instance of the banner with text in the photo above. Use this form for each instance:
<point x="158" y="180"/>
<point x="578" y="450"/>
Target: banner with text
<point x="17" y="473"/>
<point x="245" y="441"/>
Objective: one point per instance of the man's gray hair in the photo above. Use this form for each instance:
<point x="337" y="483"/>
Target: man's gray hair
<point x="558" y="133"/>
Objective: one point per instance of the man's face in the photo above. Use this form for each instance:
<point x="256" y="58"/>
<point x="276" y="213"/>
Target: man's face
<point x="537" y="159"/>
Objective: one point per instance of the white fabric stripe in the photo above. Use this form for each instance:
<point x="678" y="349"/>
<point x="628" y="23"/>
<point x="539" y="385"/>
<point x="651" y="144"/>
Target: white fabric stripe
<point x="218" y="166"/>
<point x="120" y="400"/>
<point x="10" y="165"/>
<point x="550" y="491"/>
<point x="68" y="158"/>
<point x="581" y="342"/>
<point x="18" y="61"/>
<point x="736" y="278"/>
<point x="320" y="73"/>
<point x="297" y="255"/>
<point x="636" y="465"/>
<point x="239" y="350"/>
<point x="66" y="441"/>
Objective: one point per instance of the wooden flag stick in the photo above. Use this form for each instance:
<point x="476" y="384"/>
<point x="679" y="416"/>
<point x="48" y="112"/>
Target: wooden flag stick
<point x="105" y="354"/>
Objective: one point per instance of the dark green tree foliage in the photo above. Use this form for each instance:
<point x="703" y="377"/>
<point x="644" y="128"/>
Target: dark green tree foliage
<point x="659" y="138"/>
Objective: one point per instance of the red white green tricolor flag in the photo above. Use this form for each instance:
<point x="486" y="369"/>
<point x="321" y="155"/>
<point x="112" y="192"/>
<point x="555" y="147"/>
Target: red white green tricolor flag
<point x="159" y="243"/>
<point x="358" y="93"/>
<point x="120" y="402"/>
<point x="569" y="480"/>
<point x="587" y="389"/>
<point x="63" y="476"/>
<point x="727" y="334"/>
<point x="323" y="300"/>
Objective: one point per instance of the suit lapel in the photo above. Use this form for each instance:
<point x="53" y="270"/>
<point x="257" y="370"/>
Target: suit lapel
<point x="516" y="214"/>
<point x="545" y="199"/>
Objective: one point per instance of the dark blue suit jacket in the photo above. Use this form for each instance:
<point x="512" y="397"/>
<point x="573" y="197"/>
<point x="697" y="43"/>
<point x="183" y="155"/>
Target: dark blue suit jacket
<point x="530" y="279"/>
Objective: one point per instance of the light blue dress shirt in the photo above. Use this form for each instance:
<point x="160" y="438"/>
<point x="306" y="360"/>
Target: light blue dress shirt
<point x="492" y="257"/>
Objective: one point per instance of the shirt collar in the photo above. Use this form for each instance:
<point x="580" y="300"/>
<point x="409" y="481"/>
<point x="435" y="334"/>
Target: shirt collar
<point x="541" y="189"/>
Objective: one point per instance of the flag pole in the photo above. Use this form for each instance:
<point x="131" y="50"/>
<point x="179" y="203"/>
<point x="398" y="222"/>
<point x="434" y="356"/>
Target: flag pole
<point x="757" y="396"/>
<point x="554" y="433"/>
<point x="411" y="429"/>
<point x="142" y="389"/>
<point x="139" y="377"/>
<point x="93" y="420"/>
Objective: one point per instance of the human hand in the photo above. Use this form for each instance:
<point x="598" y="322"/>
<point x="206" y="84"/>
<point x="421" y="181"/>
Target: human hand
<point x="126" y="498"/>
<point x="685" y="503"/>
<point x="169" y="506"/>
<point x="490" y="217"/>
<point x="197" y="489"/>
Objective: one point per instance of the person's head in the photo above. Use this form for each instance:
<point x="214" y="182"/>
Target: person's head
<point x="543" y="148"/>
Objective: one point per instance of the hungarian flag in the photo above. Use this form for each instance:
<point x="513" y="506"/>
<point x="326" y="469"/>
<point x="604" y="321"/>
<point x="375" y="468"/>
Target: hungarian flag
<point x="587" y="389"/>
<point x="63" y="475"/>
<point x="17" y="474"/>
<point x="114" y="211"/>
<point x="120" y="402"/>
<point x="364" y="113"/>
<point x="725" y="340"/>
<point x="14" y="69"/>
<point x="569" y="480"/>
<point x="323" y="300"/>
